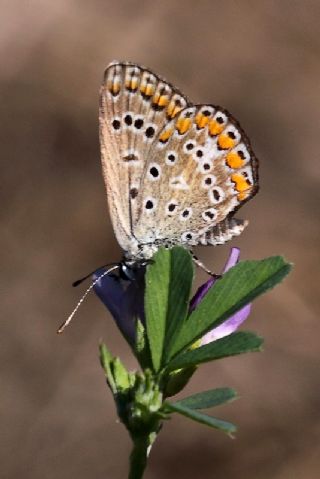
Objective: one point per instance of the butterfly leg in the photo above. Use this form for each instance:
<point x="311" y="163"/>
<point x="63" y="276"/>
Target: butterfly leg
<point x="199" y="263"/>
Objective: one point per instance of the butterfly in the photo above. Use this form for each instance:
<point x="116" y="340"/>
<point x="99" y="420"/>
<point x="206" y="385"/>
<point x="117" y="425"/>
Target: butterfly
<point x="175" y="173"/>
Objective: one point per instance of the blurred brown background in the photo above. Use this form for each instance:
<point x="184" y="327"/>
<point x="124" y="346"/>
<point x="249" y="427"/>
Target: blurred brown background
<point x="259" y="59"/>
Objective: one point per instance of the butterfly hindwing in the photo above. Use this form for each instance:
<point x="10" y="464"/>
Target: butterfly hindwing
<point x="199" y="171"/>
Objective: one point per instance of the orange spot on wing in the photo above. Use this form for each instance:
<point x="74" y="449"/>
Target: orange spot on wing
<point x="183" y="125"/>
<point x="173" y="109"/>
<point x="165" y="135"/>
<point x="160" y="100"/>
<point x="115" y="88"/>
<point x="215" y="128"/>
<point x="132" y="83"/>
<point x="149" y="90"/>
<point x="225" y="142"/>
<point x="243" y="195"/>
<point x="163" y="100"/>
<point x="156" y="98"/>
<point x="240" y="181"/>
<point x="170" y="109"/>
<point x="201" y="120"/>
<point x="234" y="160"/>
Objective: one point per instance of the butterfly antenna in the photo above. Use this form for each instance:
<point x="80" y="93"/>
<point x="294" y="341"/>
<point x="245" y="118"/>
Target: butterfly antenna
<point x="69" y="319"/>
<point x="79" y="281"/>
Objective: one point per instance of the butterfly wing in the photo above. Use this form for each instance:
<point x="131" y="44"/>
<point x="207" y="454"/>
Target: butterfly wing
<point x="135" y="106"/>
<point x="200" y="170"/>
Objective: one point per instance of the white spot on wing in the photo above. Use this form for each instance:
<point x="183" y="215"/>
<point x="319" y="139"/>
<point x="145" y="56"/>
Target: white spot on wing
<point x="178" y="183"/>
<point x="236" y="133"/>
<point x="188" y="237"/>
<point x="150" y="204"/>
<point x="209" y="215"/>
<point x="216" y="195"/>
<point x="188" y="146"/>
<point x="171" y="211"/>
<point x="154" y="172"/>
<point x="208" y="181"/>
<point x="185" y="214"/>
<point x="171" y="158"/>
<point x="205" y="166"/>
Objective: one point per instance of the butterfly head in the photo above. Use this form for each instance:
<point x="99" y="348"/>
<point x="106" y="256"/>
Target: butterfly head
<point x="132" y="270"/>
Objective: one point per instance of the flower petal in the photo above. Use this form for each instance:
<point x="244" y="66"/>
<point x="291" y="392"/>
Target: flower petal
<point x="202" y="290"/>
<point x="124" y="299"/>
<point x="231" y="324"/>
<point x="227" y="327"/>
<point x="232" y="260"/>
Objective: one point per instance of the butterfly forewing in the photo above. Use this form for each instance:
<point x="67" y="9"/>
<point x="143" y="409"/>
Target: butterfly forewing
<point x="135" y="106"/>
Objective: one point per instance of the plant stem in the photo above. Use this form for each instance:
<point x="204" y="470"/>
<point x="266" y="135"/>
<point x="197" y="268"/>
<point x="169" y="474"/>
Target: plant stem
<point x="139" y="456"/>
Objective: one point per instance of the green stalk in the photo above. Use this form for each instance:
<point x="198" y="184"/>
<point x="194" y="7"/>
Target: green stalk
<point x="139" y="456"/>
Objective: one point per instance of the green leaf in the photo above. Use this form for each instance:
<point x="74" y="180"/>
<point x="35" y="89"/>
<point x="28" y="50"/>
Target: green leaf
<point x="238" y="287"/>
<point x="106" y="360"/>
<point x="235" y="343"/>
<point x="141" y="348"/>
<point x="121" y="375"/>
<point x="168" y="285"/>
<point x="210" y="421"/>
<point x="208" y="399"/>
<point x="177" y="380"/>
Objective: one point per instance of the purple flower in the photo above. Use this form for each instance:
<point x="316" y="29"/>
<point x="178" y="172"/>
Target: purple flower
<point x="125" y="300"/>
<point x="231" y="324"/>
